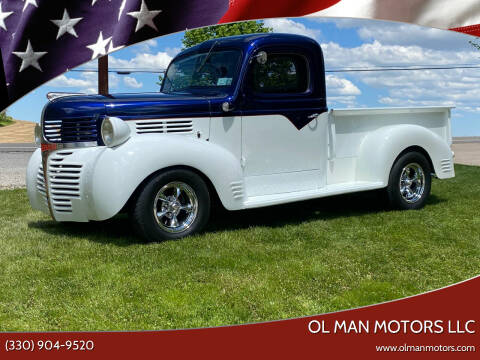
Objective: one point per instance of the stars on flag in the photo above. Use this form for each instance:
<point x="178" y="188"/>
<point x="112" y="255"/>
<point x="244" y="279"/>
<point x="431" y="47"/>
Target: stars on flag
<point x="41" y="39"/>
<point x="99" y="48"/>
<point x="29" y="57"/>
<point x="3" y="16"/>
<point x="66" y="24"/>
<point x="145" y="17"/>
<point x="29" y="2"/>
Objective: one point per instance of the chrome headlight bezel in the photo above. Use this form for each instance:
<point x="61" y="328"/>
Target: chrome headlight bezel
<point x="37" y="134"/>
<point x="114" y="131"/>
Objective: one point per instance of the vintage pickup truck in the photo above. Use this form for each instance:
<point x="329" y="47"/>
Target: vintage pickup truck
<point x="242" y="120"/>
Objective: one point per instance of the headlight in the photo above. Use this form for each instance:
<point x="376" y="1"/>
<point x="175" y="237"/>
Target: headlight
<point x="114" y="131"/>
<point x="38" y="134"/>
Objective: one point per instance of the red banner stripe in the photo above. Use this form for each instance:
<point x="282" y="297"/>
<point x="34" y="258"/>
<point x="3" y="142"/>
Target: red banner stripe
<point x="470" y="30"/>
<point x="254" y="9"/>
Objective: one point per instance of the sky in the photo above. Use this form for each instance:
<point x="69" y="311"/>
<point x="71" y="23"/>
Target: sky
<point x="346" y="44"/>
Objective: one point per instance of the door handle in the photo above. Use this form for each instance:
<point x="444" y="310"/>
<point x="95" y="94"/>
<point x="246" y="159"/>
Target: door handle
<point x="313" y="116"/>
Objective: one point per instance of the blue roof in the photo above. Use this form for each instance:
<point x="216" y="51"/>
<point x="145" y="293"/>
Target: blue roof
<point x="250" y="40"/>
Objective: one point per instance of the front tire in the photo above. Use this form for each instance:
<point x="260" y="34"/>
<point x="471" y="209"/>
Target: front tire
<point x="172" y="205"/>
<point x="410" y="182"/>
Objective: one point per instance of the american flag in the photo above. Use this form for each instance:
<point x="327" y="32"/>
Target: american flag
<point x="40" y="39"/>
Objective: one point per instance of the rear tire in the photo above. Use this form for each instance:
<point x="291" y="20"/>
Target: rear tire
<point x="410" y="182"/>
<point x="172" y="205"/>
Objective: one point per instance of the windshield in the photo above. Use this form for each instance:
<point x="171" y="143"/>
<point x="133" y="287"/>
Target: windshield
<point x="214" y="70"/>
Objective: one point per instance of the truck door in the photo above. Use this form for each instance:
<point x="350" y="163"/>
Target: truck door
<point x="284" y="138"/>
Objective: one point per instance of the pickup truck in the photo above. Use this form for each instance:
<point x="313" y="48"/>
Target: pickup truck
<point x="241" y="120"/>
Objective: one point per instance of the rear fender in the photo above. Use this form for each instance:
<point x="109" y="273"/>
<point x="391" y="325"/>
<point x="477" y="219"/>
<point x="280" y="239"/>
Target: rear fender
<point x="380" y="148"/>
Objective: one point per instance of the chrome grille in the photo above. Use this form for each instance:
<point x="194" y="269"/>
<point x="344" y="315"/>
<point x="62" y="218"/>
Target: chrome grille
<point x="70" y="130"/>
<point x="64" y="181"/>
<point x="156" y="126"/>
<point x="41" y="184"/>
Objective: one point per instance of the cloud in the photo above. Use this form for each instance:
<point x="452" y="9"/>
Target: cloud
<point x="339" y="86"/>
<point x="145" y="46"/>
<point x="86" y="82"/>
<point x="158" y="61"/>
<point x="291" y="27"/>
<point x="173" y="51"/>
<point x="389" y="33"/>
<point x="132" y="82"/>
<point x="376" y="53"/>
<point x="452" y="87"/>
<point x="64" y="81"/>
<point x="341" y="91"/>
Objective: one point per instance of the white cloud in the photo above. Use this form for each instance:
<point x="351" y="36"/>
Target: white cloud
<point x="64" y="81"/>
<point x="341" y="92"/>
<point x="145" y="46"/>
<point x="339" y="86"/>
<point x="87" y="82"/>
<point x="389" y="33"/>
<point x="454" y="87"/>
<point x="132" y="82"/>
<point x="157" y="61"/>
<point x="291" y="27"/>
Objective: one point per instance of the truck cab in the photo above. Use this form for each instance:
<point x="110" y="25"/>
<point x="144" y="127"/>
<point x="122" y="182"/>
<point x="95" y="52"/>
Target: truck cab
<point x="243" y="119"/>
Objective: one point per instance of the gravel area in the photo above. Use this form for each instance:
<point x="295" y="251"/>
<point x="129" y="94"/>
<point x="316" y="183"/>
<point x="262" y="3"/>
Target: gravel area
<point x="467" y="153"/>
<point x="13" y="166"/>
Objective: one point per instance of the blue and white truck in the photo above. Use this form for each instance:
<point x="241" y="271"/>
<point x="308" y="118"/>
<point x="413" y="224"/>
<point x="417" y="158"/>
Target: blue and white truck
<point x="243" y="120"/>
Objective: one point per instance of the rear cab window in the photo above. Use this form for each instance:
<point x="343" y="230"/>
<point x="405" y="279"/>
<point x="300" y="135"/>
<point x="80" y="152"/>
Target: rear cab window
<point x="281" y="74"/>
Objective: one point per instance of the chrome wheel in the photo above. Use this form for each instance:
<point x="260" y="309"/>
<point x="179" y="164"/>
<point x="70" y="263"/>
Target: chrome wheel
<point x="412" y="183"/>
<point x="175" y="207"/>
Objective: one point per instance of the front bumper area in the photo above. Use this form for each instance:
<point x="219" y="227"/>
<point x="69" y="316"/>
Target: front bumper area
<point x="67" y="189"/>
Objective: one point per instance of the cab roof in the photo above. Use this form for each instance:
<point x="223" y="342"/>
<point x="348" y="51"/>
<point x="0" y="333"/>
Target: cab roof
<point x="250" y="41"/>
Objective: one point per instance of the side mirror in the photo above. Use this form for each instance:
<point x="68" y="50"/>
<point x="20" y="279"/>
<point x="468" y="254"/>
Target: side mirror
<point x="262" y="57"/>
<point x="227" y="107"/>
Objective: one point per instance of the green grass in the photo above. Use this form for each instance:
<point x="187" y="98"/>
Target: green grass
<point x="273" y="263"/>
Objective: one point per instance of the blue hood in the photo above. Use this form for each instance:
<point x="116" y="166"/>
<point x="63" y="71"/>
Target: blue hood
<point x="129" y="106"/>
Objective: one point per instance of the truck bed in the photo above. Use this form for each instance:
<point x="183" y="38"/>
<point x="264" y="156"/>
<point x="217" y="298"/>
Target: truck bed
<point x="351" y="124"/>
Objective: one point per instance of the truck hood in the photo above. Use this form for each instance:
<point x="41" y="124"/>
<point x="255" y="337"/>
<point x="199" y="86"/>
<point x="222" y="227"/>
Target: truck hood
<point x="129" y="106"/>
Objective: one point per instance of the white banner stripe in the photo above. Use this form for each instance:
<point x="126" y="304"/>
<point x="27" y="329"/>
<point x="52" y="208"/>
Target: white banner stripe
<point x="443" y="14"/>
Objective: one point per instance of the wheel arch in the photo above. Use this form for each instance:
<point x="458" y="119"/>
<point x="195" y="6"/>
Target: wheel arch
<point x="118" y="173"/>
<point x="381" y="148"/>
<point x="215" y="198"/>
<point x="419" y="149"/>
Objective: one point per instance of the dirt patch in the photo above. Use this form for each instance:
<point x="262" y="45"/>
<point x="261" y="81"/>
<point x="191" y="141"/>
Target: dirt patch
<point x="19" y="132"/>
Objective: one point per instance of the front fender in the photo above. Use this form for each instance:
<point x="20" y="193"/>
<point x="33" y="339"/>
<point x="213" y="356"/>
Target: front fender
<point x="119" y="171"/>
<point x="380" y="148"/>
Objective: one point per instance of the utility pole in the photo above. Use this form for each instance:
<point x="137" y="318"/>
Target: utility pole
<point x="103" y="75"/>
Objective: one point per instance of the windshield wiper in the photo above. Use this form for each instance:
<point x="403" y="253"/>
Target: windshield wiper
<point x="207" y="57"/>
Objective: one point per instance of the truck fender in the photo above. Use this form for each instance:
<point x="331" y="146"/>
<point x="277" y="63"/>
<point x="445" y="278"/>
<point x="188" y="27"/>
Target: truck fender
<point x="119" y="171"/>
<point x="380" y="148"/>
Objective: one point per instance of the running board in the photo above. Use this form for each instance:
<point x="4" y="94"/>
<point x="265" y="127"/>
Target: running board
<point x="328" y="190"/>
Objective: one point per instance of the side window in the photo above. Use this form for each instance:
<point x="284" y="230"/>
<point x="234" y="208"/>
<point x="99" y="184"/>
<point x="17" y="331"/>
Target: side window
<point x="281" y="74"/>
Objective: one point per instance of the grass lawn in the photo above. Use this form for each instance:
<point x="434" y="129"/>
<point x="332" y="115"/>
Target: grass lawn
<point x="273" y="263"/>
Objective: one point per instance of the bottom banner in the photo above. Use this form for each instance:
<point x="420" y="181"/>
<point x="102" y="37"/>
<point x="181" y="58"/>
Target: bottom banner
<point x="437" y="324"/>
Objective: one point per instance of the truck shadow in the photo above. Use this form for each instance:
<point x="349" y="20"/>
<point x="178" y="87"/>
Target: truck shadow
<point x="118" y="230"/>
<point x="341" y="206"/>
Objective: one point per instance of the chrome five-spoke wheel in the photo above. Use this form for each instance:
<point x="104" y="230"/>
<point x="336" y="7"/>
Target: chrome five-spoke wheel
<point x="412" y="182"/>
<point x="175" y="207"/>
<point x="171" y="205"/>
